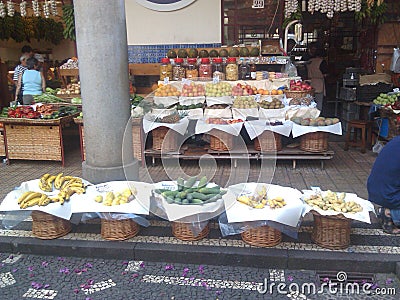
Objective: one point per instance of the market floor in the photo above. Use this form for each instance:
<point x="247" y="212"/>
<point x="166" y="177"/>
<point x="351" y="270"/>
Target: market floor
<point x="347" y="171"/>
<point x="55" y="277"/>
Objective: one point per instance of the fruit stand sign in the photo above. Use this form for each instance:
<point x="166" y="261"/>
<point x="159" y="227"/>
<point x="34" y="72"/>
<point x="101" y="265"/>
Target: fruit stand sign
<point x="165" y="5"/>
<point x="258" y="4"/>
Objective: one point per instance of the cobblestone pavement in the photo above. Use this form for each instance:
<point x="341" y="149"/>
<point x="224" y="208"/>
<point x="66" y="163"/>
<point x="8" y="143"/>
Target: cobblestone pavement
<point x="45" y="277"/>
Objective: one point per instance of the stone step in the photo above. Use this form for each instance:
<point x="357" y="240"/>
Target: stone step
<point x="370" y="249"/>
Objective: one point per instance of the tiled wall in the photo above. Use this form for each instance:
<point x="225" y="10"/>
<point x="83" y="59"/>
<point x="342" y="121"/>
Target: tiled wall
<point x="139" y="54"/>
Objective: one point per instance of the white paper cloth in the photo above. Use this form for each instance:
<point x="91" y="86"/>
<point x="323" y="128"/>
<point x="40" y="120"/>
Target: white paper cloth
<point x="238" y="212"/>
<point x="218" y="113"/>
<point x="257" y="127"/>
<point x="298" y="130"/>
<point x="177" y="211"/>
<point x="278" y="114"/>
<point x="10" y="201"/>
<point x="179" y="127"/>
<point x="362" y="216"/>
<point x="191" y="100"/>
<point x="166" y="101"/>
<point x="219" y="100"/>
<point x="85" y="203"/>
<point x="203" y="127"/>
<point x="194" y="114"/>
<point x="242" y="113"/>
<point x="302" y="112"/>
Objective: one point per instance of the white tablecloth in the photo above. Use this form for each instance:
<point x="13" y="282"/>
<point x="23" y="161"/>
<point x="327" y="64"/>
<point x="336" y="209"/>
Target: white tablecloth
<point x="179" y="127"/>
<point x="203" y="127"/>
<point x="298" y="130"/>
<point x="257" y="127"/>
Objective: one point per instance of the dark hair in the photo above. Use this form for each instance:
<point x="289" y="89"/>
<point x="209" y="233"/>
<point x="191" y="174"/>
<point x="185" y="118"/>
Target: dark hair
<point x="26" y="49"/>
<point x="31" y="63"/>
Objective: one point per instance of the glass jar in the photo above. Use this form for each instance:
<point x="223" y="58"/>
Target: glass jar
<point x="205" y="69"/>
<point x="253" y="70"/>
<point x="178" y="70"/>
<point x="191" y="69"/>
<point x="165" y="69"/>
<point x="231" y="71"/>
<point x="244" y="70"/>
<point x="218" y="69"/>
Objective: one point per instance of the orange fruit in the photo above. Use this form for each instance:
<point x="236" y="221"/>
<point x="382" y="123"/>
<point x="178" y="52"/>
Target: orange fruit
<point x="274" y="92"/>
<point x="280" y="92"/>
<point x="266" y="92"/>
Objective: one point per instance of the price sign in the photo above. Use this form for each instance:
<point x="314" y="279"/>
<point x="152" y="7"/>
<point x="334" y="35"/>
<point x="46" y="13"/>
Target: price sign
<point x="258" y="4"/>
<point x="186" y="81"/>
<point x="215" y="79"/>
<point x="166" y="80"/>
<point x="258" y="97"/>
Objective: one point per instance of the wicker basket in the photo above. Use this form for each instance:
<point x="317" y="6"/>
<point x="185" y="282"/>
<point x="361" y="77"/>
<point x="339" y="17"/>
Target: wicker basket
<point x="263" y="236"/>
<point x="268" y="141"/>
<point x="220" y="140"/>
<point x="183" y="231"/>
<point x="47" y="227"/>
<point x="165" y="139"/>
<point x="314" y="142"/>
<point x="118" y="230"/>
<point x="2" y="145"/>
<point x="331" y="232"/>
<point x="298" y="94"/>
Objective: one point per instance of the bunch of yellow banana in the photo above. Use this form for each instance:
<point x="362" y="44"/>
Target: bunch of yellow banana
<point x="276" y="202"/>
<point x="333" y="201"/>
<point x="29" y="199"/>
<point x="68" y="188"/>
<point x="117" y="198"/>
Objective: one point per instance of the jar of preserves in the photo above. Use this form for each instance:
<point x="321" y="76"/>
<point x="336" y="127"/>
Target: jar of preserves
<point x="244" y="70"/>
<point x="191" y="69"/>
<point x="205" y="69"/>
<point x="253" y="70"/>
<point x="178" y="70"/>
<point x="218" y="69"/>
<point x="165" y="69"/>
<point x="231" y="72"/>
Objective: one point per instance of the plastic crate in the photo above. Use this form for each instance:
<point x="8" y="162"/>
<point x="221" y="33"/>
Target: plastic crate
<point x="367" y="93"/>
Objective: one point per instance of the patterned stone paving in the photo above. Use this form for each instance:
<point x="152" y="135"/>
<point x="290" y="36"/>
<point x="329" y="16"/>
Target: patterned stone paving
<point x="50" y="277"/>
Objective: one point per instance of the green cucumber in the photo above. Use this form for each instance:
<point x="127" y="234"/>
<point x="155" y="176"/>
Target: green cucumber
<point x="209" y="196"/>
<point x="203" y="182"/>
<point x="213" y="199"/>
<point x="197" y="195"/>
<point x="213" y="190"/>
<point x="189" y="197"/>
<point x="223" y="192"/>
<point x="196" y="201"/>
<point x="171" y="194"/>
<point x="181" y="195"/>
<point x="190" y="182"/>
<point x="169" y="200"/>
<point x="178" y="200"/>
<point x="180" y="182"/>
<point x="185" y="201"/>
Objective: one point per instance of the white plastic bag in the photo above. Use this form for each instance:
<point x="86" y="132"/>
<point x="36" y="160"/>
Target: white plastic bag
<point x="395" y="64"/>
<point x="291" y="69"/>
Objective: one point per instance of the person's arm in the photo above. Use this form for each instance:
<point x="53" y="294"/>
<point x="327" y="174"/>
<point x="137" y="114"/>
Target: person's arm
<point x="43" y="82"/>
<point x="323" y="67"/>
<point x="18" y="87"/>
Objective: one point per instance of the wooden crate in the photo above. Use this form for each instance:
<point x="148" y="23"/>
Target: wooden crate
<point x="33" y="142"/>
<point x="136" y="136"/>
<point x="2" y="145"/>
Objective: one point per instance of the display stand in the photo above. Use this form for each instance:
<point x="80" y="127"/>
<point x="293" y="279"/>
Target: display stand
<point x="2" y="144"/>
<point x="65" y="73"/>
<point x="32" y="139"/>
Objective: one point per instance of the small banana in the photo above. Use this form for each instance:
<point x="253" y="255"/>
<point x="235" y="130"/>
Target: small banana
<point x="50" y="180"/>
<point x="31" y="196"/>
<point x="44" y="200"/>
<point x="44" y="187"/>
<point x="98" y="199"/>
<point x="45" y="177"/>
<point x="57" y="181"/>
<point x="78" y="190"/>
<point x="23" y="196"/>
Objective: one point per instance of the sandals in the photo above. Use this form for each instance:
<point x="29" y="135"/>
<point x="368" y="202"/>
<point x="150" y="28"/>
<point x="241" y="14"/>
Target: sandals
<point x="387" y="222"/>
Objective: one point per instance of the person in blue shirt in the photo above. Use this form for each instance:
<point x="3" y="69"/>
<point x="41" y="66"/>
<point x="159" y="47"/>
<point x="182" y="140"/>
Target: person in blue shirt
<point x="32" y="80"/>
<point x="384" y="186"/>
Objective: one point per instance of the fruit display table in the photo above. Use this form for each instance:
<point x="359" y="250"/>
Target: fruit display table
<point x="34" y="139"/>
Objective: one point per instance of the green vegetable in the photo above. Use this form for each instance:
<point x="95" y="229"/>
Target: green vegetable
<point x="196" y="201"/>
<point x="197" y="195"/>
<point x="169" y="200"/>
<point x="202" y="182"/>
<point x="214" y="190"/>
<point x="180" y="182"/>
<point x="159" y="191"/>
<point x="190" y="182"/>
<point x="178" y="200"/>
<point x="213" y="199"/>
<point x="181" y="195"/>
<point x="171" y="194"/>
<point x="185" y="201"/>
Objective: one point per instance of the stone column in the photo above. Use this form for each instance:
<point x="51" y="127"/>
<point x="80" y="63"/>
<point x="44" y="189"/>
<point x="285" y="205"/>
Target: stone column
<point x="103" y="69"/>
